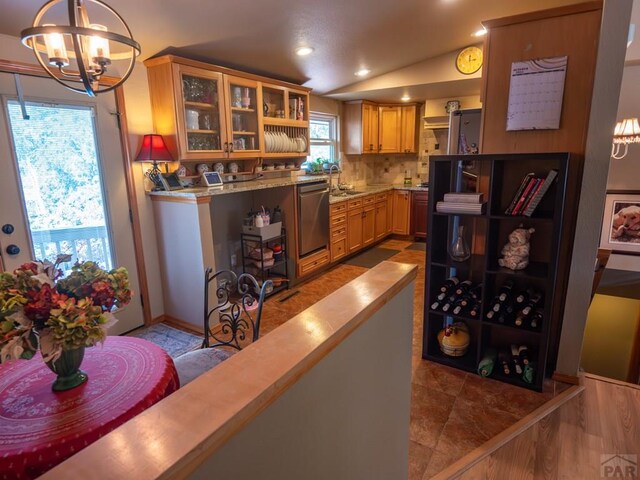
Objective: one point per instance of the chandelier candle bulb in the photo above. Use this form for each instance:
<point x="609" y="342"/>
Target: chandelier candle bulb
<point x="56" y="49"/>
<point x="99" y="46"/>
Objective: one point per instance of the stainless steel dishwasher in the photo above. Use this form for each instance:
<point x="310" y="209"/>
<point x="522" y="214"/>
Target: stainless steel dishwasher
<point x="313" y="217"/>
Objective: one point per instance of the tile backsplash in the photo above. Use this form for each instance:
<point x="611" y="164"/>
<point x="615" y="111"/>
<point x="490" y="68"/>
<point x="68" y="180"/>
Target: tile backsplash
<point x="368" y="169"/>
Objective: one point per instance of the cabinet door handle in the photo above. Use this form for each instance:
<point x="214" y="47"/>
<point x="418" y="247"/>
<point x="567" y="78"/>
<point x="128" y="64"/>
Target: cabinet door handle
<point x="379" y="147"/>
<point x="371" y="146"/>
<point x="230" y="147"/>
<point x="225" y="148"/>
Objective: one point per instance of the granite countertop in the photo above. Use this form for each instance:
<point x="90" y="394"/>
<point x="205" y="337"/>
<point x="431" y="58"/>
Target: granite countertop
<point x="376" y="188"/>
<point x="248" y="186"/>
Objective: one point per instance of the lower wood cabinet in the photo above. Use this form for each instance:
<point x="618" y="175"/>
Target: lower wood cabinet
<point x="354" y="229"/>
<point x="389" y="212"/>
<point x="369" y="223"/>
<point x="381" y="219"/>
<point x="313" y="262"/>
<point x="401" y="212"/>
<point x="419" y="208"/>
<point x="359" y="222"/>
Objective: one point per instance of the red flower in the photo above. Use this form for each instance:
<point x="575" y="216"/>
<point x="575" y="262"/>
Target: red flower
<point x="29" y="266"/>
<point x="102" y="294"/>
<point x="39" y="303"/>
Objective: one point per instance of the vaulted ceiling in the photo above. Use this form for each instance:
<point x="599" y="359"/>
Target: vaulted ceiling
<point x="260" y="36"/>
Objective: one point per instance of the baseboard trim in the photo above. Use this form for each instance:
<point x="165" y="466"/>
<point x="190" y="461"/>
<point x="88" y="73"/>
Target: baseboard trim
<point x="614" y="381"/>
<point x="564" y="378"/>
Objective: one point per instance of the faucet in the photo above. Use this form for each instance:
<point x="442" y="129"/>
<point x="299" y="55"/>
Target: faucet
<point x="331" y="176"/>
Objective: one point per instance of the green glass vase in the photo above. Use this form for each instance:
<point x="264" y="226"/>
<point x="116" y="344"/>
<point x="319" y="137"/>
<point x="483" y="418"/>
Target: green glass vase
<point x="67" y="367"/>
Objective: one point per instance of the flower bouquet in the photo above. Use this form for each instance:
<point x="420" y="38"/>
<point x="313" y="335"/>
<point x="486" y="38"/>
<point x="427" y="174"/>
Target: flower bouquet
<point x="61" y="316"/>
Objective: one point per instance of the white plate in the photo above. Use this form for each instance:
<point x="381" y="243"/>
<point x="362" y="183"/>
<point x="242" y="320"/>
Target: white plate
<point x="267" y="140"/>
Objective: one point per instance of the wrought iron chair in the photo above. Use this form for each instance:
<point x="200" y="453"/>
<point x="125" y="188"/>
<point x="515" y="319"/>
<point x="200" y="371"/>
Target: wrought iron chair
<point x="236" y="295"/>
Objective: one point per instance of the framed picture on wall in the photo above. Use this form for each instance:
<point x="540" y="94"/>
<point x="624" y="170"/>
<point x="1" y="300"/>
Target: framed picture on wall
<point x="621" y="224"/>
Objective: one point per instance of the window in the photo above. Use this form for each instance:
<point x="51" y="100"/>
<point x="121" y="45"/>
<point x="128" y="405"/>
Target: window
<point x="61" y="182"/>
<point x="324" y="142"/>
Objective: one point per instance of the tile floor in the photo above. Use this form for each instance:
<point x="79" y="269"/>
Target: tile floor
<point x="452" y="412"/>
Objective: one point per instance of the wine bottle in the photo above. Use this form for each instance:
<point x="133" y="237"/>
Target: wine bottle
<point x="526" y="313"/>
<point x="505" y="290"/>
<point x="503" y="358"/>
<point x="436" y="305"/>
<point x="515" y="359"/>
<point x="522" y="297"/>
<point x="474" y="295"/>
<point x="532" y="303"/>
<point x="523" y="354"/>
<point x="485" y="367"/>
<point x="536" y="319"/>
<point x="529" y="373"/>
<point x="449" y="303"/>
<point x="449" y="283"/>
<point x="463" y="287"/>
<point x="475" y="309"/>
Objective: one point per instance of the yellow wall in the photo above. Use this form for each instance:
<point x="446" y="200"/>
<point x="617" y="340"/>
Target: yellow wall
<point x="611" y="329"/>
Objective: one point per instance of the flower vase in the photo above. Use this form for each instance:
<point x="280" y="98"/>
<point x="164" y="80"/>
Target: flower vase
<point x="67" y="367"/>
<point x="459" y="251"/>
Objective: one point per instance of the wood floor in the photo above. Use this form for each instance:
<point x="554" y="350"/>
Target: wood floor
<point x="593" y="435"/>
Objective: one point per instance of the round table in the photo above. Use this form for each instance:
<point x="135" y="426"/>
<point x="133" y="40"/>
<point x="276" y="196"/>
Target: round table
<point x="40" y="428"/>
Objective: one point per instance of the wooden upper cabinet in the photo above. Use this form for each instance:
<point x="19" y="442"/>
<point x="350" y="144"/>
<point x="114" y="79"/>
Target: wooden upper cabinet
<point x="244" y="122"/>
<point x="390" y="127"/>
<point x="206" y="112"/>
<point x="408" y="129"/>
<point x="199" y="127"/>
<point x="360" y="127"/>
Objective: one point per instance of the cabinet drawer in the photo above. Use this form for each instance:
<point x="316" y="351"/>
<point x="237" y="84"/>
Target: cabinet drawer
<point x="338" y="219"/>
<point x="313" y="262"/>
<point x="338" y="249"/>
<point x="337" y="208"/>
<point x="381" y="197"/>
<point x="369" y="200"/>
<point x="355" y="203"/>
<point x="338" y="232"/>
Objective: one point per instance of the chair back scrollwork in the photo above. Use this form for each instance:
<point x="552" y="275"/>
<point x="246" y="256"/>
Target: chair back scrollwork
<point x="238" y="313"/>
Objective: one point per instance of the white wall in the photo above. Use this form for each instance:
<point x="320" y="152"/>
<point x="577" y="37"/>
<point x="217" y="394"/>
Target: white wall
<point x="624" y="174"/>
<point x="345" y="419"/>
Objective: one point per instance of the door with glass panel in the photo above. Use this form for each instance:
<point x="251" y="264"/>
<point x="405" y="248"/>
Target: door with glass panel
<point x="62" y="183"/>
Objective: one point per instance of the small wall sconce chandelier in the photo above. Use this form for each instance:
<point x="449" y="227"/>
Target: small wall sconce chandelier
<point x="92" y="46"/>
<point x="627" y="131"/>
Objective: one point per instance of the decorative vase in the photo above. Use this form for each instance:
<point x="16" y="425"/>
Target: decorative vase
<point x="459" y="250"/>
<point x="67" y="367"/>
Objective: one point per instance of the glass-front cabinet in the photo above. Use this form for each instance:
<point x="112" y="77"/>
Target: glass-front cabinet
<point x="244" y="119"/>
<point x="202" y="123"/>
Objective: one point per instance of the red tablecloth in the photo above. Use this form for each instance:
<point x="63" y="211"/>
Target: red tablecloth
<point x="40" y="428"/>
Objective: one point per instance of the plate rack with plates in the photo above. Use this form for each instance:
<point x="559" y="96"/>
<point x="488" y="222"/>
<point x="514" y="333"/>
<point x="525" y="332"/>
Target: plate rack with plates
<point x="283" y="141"/>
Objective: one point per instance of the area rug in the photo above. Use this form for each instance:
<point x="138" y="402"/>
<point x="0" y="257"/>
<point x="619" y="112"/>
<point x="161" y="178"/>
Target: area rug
<point x="372" y="257"/>
<point x="421" y="246"/>
<point x="175" y="342"/>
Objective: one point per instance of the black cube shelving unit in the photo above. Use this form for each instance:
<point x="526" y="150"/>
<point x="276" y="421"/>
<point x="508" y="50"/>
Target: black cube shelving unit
<point x="499" y="179"/>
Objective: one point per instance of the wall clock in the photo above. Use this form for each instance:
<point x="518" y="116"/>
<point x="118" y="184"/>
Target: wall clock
<point x="469" y="60"/>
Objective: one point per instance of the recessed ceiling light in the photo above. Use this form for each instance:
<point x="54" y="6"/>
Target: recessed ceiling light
<point x="304" y="51"/>
<point x="363" y="72"/>
<point x="480" y="33"/>
<point x="405" y="98"/>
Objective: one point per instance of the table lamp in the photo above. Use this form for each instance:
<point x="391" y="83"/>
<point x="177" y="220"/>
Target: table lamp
<point x="153" y="149"/>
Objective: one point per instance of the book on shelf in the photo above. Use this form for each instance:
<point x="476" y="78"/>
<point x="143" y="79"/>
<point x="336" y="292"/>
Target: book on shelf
<point x="458" y="197"/>
<point x="540" y="193"/>
<point x="455" y="207"/>
<point x="529" y="194"/>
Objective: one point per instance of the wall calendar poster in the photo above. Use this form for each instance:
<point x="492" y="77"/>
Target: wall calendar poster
<point x="535" y="94"/>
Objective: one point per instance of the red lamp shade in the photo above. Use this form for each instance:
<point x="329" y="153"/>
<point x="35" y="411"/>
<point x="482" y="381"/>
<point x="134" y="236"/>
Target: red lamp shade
<point x="153" y="149"/>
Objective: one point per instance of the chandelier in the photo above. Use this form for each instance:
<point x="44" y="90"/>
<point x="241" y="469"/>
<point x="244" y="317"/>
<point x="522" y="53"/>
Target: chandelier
<point x="627" y="131"/>
<point x="90" y="46"/>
